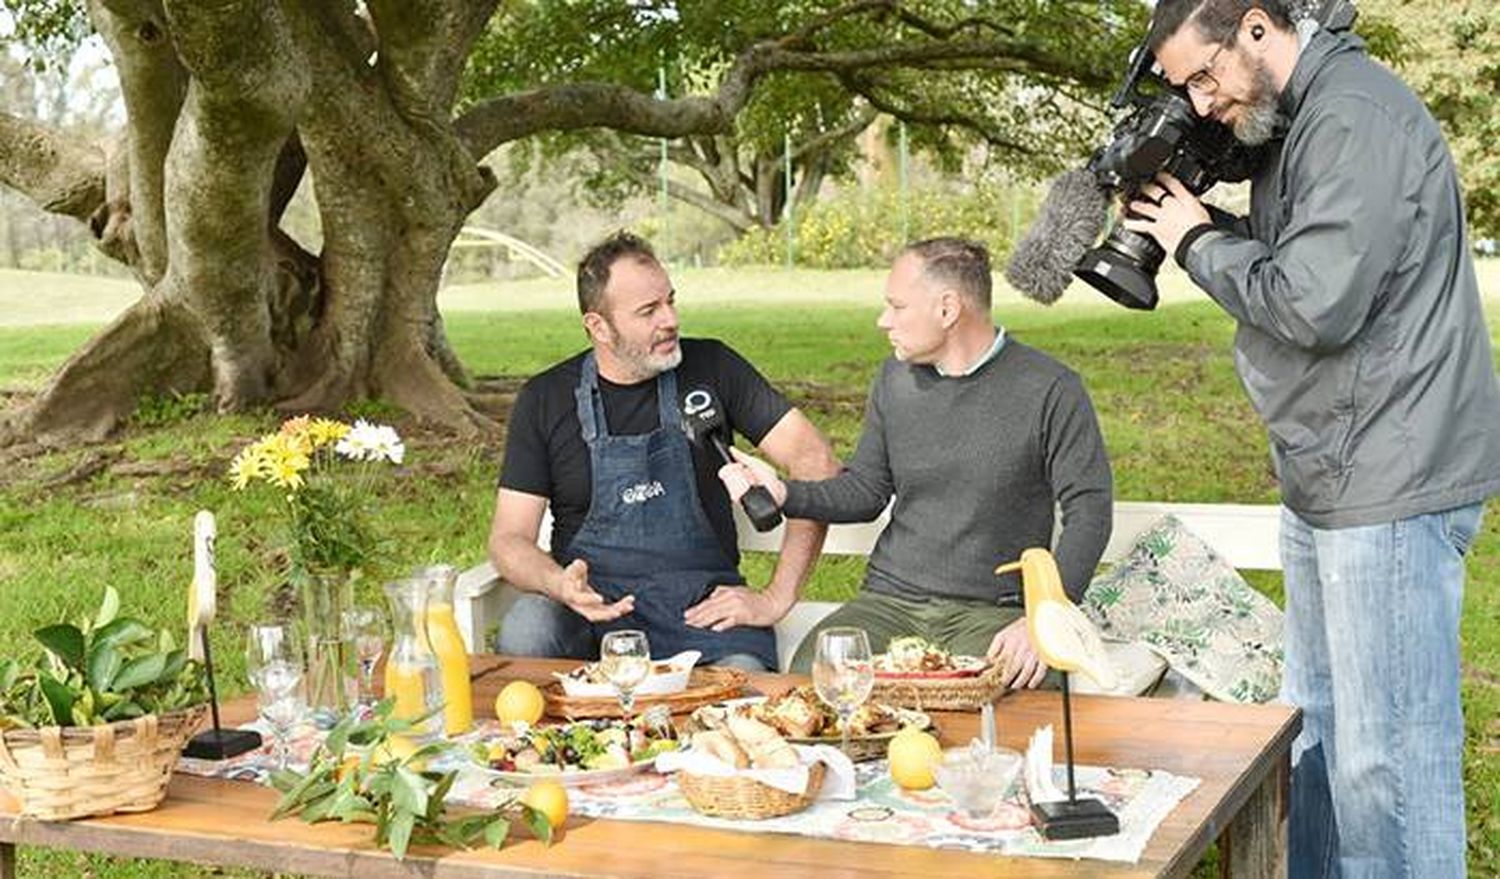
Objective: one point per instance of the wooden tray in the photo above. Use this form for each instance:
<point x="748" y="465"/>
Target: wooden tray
<point x="706" y="685"/>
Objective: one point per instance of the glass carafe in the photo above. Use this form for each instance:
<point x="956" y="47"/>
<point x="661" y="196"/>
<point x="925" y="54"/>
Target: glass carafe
<point x="411" y="672"/>
<point x="448" y="647"/>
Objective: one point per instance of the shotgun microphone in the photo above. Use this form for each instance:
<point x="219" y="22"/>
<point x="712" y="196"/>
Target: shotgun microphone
<point x="703" y="422"/>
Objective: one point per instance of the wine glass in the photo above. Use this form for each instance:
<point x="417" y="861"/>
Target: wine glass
<point x="365" y="628"/>
<point x="843" y="673"/>
<point x="274" y="660"/>
<point x="625" y="658"/>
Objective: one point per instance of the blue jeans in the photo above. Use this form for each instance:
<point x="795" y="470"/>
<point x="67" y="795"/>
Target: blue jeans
<point x="1372" y="659"/>
<point x="538" y="626"/>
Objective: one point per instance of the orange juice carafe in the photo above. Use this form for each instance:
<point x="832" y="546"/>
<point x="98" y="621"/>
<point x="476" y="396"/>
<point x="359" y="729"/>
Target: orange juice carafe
<point x="448" y="647"/>
<point x="412" y="677"/>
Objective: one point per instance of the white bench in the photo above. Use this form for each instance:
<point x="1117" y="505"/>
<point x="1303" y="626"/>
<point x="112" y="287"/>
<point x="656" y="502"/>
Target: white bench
<point x="1247" y="537"/>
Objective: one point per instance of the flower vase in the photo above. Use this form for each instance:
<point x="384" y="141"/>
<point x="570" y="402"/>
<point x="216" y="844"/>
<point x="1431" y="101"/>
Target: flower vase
<point x="330" y="657"/>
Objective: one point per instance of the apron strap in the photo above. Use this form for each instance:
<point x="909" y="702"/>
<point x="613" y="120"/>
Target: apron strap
<point x="588" y="385"/>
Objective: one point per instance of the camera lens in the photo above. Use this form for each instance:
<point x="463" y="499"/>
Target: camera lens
<point x="1123" y="267"/>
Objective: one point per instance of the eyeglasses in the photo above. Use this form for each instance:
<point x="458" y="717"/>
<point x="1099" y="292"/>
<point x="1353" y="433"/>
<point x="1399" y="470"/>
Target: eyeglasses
<point x="1203" y="82"/>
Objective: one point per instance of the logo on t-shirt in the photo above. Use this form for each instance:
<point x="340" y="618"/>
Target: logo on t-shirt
<point x="642" y="492"/>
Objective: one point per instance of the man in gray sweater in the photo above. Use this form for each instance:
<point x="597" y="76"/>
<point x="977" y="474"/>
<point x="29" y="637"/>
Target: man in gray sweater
<point x="977" y="437"/>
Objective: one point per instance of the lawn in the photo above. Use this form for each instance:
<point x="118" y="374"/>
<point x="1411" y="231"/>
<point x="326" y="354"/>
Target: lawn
<point x="1174" y="417"/>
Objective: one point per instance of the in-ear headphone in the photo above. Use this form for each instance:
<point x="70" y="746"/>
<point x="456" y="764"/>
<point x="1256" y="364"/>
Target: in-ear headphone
<point x="1256" y="31"/>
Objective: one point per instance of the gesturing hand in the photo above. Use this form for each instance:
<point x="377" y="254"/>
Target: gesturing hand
<point x="730" y="606"/>
<point x="574" y="590"/>
<point x="1012" y="646"/>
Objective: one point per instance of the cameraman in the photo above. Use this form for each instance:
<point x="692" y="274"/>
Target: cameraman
<point x="1362" y="344"/>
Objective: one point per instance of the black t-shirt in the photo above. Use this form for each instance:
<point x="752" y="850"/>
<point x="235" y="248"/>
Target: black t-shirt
<point x="545" y="453"/>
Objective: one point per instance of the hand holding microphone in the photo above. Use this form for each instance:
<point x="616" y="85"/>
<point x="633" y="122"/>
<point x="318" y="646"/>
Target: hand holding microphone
<point x="703" y="422"/>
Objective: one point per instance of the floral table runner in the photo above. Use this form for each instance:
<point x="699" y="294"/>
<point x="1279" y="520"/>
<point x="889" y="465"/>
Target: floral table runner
<point x="881" y="813"/>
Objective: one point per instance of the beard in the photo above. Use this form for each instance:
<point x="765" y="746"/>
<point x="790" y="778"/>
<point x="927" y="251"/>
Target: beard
<point x="1262" y="115"/>
<point x="641" y="360"/>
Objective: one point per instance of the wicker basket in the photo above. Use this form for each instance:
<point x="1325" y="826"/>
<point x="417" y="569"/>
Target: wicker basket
<point x="707" y="685"/>
<point x="942" y="694"/>
<point x="74" y="772"/>
<point x="736" y="796"/>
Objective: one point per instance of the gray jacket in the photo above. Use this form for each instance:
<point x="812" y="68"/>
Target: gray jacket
<point x="1360" y="337"/>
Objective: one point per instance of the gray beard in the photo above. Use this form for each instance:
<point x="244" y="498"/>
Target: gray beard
<point x="1262" y="114"/>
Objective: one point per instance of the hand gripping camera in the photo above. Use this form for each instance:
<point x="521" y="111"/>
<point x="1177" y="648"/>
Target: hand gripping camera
<point x="1162" y="133"/>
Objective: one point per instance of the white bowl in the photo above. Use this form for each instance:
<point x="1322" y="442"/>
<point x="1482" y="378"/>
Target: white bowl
<point x="658" y="684"/>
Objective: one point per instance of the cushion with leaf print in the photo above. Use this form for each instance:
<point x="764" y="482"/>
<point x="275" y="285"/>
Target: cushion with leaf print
<point x="1177" y="596"/>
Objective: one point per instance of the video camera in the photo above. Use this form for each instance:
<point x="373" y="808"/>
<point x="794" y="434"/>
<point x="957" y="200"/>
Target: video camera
<point x="1162" y="133"/>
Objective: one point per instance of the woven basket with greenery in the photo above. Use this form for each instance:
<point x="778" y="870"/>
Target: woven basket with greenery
<point x="738" y="796"/>
<point x="77" y="771"/>
<point x="95" y="725"/>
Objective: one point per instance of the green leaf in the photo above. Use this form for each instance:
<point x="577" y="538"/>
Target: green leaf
<point x="538" y="822"/>
<point x="122" y="632"/>
<point x="176" y="662"/>
<point x="109" y="608"/>
<point x="59" y="699"/>
<point x="439" y="793"/>
<point x="399" y="832"/>
<point x="498" y="829"/>
<point x="105" y="663"/>
<point x="141" y="671"/>
<point x="10" y="672"/>
<point x="409" y="792"/>
<point x="65" y="642"/>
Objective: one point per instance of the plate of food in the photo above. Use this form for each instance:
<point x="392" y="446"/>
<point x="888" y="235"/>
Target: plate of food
<point x="579" y="752"/>
<point x="667" y="676"/>
<point x="913" y="657"/>
<point x="804" y="719"/>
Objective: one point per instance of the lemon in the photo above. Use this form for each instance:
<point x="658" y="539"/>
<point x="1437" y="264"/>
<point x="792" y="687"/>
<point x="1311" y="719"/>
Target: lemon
<point x="519" y="700"/>
<point x="549" y="798"/>
<point x="912" y="754"/>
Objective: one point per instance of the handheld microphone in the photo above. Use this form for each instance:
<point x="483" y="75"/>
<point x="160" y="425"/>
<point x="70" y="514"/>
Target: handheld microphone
<point x="703" y="422"/>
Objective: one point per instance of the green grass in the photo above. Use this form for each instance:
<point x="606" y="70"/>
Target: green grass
<point x="1176" y="422"/>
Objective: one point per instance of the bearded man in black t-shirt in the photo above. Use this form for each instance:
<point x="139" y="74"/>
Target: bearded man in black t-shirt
<point x="642" y="533"/>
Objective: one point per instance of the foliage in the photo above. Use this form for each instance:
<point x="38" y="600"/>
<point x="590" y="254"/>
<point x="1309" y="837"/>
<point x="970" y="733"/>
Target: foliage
<point x="100" y="670"/>
<point x="1037" y="109"/>
<point x="328" y="523"/>
<point x="156" y="410"/>
<point x="356" y="777"/>
<point x="864" y="228"/>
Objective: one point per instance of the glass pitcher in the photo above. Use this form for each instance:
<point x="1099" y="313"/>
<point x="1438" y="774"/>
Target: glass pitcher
<point x="448" y="647"/>
<point x="411" y="672"/>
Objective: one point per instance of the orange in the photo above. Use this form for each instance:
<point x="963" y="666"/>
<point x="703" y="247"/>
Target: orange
<point x="912" y="754"/>
<point x="519" y="701"/>
<point x="551" y="799"/>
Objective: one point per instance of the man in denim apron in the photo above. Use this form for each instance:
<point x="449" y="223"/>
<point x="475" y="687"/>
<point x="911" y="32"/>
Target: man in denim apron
<point x="643" y="535"/>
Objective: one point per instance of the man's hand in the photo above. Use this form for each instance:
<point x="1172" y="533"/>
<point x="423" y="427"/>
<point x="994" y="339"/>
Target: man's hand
<point x="1168" y="211"/>
<point x="730" y="606"/>
<point x="572" y="588"/>
<point x="750" y="471"/>
<point x="1012" y="646"/>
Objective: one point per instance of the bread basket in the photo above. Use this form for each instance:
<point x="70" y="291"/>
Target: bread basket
<point x="744" y="798"/>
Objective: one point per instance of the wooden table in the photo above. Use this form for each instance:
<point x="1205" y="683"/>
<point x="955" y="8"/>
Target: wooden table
<point x="1239" y="752"/>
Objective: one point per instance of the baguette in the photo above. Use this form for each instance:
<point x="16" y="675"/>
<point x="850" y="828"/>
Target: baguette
<point x="764" y="745"/>
<point x="717" y="743"/>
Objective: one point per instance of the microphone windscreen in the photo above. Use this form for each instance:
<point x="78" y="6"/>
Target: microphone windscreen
<point x="701" y="415"/>
<point x="1066" y="226"/>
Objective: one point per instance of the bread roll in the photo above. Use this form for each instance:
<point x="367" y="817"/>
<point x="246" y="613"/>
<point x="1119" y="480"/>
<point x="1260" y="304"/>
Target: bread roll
<point x="717" y="743"/>
<point x="766" y="747"/>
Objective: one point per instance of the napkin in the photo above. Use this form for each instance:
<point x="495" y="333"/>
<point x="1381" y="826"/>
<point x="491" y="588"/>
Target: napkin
<point x="838" y="782"/>
<point x="1038" y="768"/>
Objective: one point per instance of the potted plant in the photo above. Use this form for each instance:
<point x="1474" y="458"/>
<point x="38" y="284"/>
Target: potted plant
<point x="95" y="724"/>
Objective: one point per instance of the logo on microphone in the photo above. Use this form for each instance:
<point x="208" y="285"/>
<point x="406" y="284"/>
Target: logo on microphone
<point x="698" y="403"/>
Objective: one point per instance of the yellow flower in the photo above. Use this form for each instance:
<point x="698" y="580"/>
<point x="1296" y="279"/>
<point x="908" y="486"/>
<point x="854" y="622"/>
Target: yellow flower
<point x="326" y="430"/>
<point x="286" y="457"/>
<point x="248" y="465"/>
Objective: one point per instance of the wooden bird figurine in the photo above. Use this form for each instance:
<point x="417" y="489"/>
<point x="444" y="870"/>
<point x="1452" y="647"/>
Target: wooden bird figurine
<point x="203" y="592"/>
<point x="1064" y="638"/>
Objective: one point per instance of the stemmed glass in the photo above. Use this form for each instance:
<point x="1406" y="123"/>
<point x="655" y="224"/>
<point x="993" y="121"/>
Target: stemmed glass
<point x="843" y="673"/>
<point x="625" y="657"/>
<point x="274" y="661"/>
<point x="365" y="628"/>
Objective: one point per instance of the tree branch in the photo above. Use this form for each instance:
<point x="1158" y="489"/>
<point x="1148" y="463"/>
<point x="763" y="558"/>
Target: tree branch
<point x="867" y="89"/>
<point x="862" y="119"/>
<point x="51" y="168"/>
<point x="423" y="48"/>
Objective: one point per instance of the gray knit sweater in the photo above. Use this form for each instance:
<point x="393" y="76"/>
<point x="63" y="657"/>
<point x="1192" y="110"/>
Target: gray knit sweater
<point x="976" y="464"/>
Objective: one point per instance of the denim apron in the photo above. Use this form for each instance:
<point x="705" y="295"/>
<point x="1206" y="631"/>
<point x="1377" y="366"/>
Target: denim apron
<point x="647" y="535"/>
